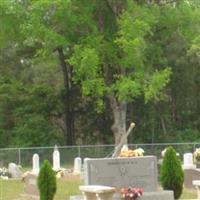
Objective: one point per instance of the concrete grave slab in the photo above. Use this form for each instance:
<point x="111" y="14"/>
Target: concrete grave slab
<point x="189" y="176"/>
<point x="31" y="185"/>
<point x="159" y="195"/>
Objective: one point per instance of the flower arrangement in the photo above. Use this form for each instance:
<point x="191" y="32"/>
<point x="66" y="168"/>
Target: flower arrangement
<point x="132" y="153"/>
<point x="4" y="172"/>
<point x="197" y="154"/>
<point x="131" y="193"/>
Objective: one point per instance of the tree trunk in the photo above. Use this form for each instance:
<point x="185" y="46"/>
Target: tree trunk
<point x="118" y="108"/>
<point x="67" y="100"/>
<point x="119" y="118"/>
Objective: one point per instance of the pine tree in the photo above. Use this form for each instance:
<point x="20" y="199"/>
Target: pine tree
<point x="46" y="182"/>
<point x="172" y="176"/>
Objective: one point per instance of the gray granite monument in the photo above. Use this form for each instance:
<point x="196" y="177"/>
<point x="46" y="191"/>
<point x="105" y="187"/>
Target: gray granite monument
<point x="139" y="172"/>
<point x="122" y="172"/>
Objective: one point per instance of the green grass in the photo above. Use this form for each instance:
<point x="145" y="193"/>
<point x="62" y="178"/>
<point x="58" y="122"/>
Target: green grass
<point x="67" y="188"/>
<point x="189" y="194"/>
<point x="12" y="190"/>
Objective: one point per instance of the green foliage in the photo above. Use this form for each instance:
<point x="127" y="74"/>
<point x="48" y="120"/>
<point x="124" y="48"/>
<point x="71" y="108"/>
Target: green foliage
<point x="195" y="48"/>
<point x="127" y="89"/>
<point x="10" y="29"/>
<point x="172" y="175"/>
<point x="86" y="67"/>
<point x="27" y="112"/>
<point x="119" y="48"/>
<point x="46" y="182"/>
<point x="133" y="75"/>
<point x="157" y="82"/>
<point x="135" y="25"/>
<point x="35" y="126"/>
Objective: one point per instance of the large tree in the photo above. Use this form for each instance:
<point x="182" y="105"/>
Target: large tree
<point x="112" y="51"/>
<point x="118" y="61"/>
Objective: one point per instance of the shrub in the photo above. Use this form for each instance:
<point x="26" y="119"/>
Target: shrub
<point x="46" y="181"/>
<point x="172" y="176"/>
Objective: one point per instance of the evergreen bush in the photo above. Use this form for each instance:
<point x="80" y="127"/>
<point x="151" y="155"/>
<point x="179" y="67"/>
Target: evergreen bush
<point x="172" y="175"/>
<point x="46" y="181"/>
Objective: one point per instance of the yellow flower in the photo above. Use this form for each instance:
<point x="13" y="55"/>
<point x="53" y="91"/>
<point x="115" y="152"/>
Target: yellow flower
<point x="197" y="154"/>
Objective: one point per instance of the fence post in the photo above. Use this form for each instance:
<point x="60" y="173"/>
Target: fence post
<point x="79" y="151"/>
<point x="19" y="156"/>
<point x="194" y="147"/>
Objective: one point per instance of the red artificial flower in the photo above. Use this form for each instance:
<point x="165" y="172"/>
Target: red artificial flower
<point x="131" y="193"/>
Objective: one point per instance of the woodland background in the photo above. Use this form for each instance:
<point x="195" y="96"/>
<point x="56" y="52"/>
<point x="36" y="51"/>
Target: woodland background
<point x="67" y="68"/>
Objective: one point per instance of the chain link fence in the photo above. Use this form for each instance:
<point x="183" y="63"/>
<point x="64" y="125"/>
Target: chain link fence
<point x="11" y="190"/>
<point x="23" y="156"/>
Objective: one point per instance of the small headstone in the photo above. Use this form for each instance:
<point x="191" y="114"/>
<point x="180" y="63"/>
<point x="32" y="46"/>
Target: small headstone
<point x="36" y="164"/>
<point x="14" y="170"/>
<point x="163" y="152"/>
<point x="187" y="160"/>
<point x="122" y="172"/>
<point x="56" y="159"/>
<point x="31" y="185"/>
<point x="77" y="166"/>
<point x="190" y="175"/>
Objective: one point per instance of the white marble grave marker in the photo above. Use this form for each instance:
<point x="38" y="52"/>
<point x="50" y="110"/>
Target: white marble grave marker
<point x="36" y="164"/>
<point x="187" y="160"/>
<point x="14" y="170"/>
<point x="56" y="159"/>
<point x="77" y="165"/>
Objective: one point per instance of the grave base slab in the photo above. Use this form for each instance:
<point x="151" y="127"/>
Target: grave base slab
<point x="159" y="195"/>
<point x="31" y="185"/>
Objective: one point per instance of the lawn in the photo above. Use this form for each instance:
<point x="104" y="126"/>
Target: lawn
<point x="12" y="190"/>
<point x="189" y="194"/>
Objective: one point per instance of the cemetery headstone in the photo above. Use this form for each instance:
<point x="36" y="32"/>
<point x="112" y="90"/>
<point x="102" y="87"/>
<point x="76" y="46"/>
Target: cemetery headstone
<point x="36" y="164"/>
<point x="189" y="176"/>
<point x="31" y="188"/>
<point x="188" y="160"/>
<point x="77" y="166"/>
<point x="140" y="172"/>
<point x="14" y="170"/>
<point x="56" y="159"/>
<point x="122" y="172"/>
<point x="30" y="179"/>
